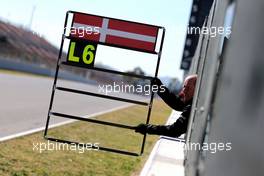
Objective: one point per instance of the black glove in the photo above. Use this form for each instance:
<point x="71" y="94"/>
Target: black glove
<point x="141" y="128"/>
<point x="156" y="85"/>
<point x="156" y="81"/>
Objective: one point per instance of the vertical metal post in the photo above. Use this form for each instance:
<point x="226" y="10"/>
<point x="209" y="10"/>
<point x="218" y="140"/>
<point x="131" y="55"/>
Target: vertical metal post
<point x="152" y="93"/>
<point x="56" y="75"/>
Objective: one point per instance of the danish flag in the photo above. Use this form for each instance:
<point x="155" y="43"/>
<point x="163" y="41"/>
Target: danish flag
<point x="116" y="32"/>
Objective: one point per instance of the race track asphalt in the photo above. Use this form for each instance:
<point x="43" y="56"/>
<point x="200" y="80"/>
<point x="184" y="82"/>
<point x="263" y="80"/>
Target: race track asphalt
<point x="24" y="102"/>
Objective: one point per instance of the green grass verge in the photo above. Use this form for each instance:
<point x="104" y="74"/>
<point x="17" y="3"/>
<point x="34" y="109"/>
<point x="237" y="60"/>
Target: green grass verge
<point x="18" y="158"/>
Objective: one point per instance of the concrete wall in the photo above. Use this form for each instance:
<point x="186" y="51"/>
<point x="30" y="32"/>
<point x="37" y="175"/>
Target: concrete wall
<point x="229" y="102"/>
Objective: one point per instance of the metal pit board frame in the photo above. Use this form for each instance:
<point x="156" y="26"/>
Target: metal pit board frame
<point x="56" y="88"/>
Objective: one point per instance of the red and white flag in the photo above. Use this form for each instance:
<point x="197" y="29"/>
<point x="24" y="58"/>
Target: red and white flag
<point x="116" y="32"/>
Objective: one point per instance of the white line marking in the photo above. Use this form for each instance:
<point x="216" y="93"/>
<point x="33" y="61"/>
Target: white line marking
<point x="61" y="123"/>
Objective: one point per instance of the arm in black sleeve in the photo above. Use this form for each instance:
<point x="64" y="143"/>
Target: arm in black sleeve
<point x="175" y="130"/>
<point x="170" y="99"/>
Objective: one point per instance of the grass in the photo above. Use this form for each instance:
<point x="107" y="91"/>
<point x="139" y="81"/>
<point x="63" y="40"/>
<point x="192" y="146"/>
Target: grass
<point x="17" y="157"/>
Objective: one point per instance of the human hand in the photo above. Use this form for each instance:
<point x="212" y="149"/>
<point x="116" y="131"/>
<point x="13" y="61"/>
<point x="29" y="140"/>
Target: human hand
<point x="141" y="128"/>
<point x="156" y="81"/>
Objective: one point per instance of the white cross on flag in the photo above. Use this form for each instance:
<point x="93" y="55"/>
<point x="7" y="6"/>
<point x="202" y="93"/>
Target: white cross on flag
<point x="116" y="32"/>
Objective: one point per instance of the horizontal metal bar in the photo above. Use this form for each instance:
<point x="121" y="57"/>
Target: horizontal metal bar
<point x="92" y="120"/>
<point x="102" y="96"/>
<point x="113" y="45"/>
<point x="100" y="148"/>
<point x="110" y="71"/>
<point x="72" y="11"/>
